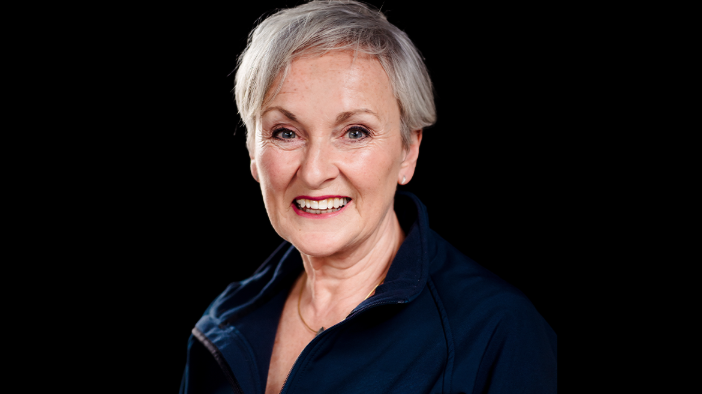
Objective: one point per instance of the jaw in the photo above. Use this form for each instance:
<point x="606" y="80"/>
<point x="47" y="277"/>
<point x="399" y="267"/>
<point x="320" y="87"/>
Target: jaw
<point x="322" y="243"/>
<point x="338" y="237"/>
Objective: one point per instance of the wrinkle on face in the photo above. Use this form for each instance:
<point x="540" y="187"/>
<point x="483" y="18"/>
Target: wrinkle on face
<point x="319" y="98"/>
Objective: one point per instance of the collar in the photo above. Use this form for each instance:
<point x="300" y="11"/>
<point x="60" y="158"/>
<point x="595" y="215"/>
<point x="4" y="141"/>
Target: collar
<point x="406" y="277"/>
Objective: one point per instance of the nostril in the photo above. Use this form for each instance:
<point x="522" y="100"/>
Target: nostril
<point x="317" y="169"/>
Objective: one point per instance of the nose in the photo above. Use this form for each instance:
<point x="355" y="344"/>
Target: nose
<point x="318" y="166"/>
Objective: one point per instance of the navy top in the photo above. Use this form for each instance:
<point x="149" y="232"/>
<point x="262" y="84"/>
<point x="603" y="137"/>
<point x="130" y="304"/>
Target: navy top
<point x="440" y="323"/>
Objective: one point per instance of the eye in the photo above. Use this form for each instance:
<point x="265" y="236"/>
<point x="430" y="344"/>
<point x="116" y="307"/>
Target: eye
<point x="357" y="133"/>
<point x="284" y="134"/>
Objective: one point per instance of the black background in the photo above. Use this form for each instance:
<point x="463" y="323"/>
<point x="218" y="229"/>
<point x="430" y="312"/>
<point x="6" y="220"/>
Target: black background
<point x="186" y="218"/>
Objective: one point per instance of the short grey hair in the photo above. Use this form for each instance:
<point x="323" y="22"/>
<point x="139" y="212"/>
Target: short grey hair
<point x="321" y="26"/>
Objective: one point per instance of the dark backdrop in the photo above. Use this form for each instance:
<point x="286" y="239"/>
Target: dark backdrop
<point x="190" y="219"/>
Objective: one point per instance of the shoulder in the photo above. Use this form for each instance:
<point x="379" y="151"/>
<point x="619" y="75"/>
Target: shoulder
<point x="466" y="287"/>
<point x="482" y="308"/>
<point x="493" y="328"/>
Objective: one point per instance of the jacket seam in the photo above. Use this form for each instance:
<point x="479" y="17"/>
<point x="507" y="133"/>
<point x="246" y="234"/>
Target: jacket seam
<point x="448" y="336"/>
<point x="219" y="358"/>
<point x="481" y="366"/>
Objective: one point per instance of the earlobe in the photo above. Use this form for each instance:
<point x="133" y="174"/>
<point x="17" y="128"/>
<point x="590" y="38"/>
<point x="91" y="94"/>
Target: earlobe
<point x="254" y="170"/>
<point x="410" y="155"/>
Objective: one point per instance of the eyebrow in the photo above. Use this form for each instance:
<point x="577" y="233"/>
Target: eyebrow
<point x="282" y="110"/>
<point x="339" y="118"/>
<point x="345" y="115"/>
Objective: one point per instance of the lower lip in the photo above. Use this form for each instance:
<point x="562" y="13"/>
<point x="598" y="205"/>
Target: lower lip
<point x="319" y="215"/>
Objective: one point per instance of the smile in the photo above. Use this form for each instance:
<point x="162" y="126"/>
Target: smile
<point x="320" y="207"/>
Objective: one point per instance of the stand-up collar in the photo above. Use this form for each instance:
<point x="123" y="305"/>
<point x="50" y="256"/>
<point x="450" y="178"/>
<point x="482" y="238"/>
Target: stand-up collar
<point x="408" y="272"/>
<point x="405" y="279"/>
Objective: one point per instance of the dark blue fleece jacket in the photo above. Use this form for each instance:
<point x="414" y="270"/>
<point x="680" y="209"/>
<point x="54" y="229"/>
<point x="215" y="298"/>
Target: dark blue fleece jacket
<point x="440" y="323"/>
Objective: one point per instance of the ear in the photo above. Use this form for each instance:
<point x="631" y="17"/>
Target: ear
<point x="254" y="170"/>
<point x="409" y="163"/>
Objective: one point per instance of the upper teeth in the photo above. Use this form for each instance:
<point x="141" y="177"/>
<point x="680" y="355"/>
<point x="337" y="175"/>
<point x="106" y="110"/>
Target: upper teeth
<point x="328" y="203"/>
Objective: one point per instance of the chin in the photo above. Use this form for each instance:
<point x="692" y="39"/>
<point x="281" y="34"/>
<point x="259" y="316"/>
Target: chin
<point x="317" y="246"/>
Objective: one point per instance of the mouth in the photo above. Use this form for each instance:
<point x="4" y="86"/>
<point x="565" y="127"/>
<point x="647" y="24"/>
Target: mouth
<point x="321" y="205"/>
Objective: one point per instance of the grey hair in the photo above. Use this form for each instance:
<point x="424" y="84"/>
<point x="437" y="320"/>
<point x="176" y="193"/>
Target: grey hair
<point x="321" y="26"/>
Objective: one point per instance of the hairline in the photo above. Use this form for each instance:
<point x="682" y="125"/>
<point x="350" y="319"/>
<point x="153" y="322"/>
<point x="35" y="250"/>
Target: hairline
<point x="399" y="57"/>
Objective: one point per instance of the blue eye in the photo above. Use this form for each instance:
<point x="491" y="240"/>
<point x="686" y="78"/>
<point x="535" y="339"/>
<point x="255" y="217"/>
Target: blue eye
<point x="285" y="134"/>
<point x="357" y="133"/>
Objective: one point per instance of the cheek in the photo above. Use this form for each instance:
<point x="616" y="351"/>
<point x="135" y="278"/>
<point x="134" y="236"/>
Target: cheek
<point x="372" y="171"/>
<point x="276" y="168"/>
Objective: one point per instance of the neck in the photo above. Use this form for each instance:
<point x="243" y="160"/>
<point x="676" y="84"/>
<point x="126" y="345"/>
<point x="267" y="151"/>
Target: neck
<point x="334" y="285"/>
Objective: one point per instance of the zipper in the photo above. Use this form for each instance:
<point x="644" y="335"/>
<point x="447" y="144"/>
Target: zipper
<point x="220" y="360"/>
<point x="311" y="344"/>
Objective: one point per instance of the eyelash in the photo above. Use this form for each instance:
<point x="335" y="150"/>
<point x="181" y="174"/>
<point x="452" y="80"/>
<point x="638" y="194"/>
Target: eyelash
<point x="366" y="132"/>
<point x="276" y="133"/>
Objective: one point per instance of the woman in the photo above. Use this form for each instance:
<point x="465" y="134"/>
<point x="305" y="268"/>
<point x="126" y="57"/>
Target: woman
<point x="363" y="297"/>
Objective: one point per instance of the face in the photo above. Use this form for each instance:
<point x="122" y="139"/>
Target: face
<point x="331" y="139"/>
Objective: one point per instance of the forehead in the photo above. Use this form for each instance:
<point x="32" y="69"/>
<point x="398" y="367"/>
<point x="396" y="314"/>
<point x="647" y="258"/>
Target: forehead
<point x="336" y="81"/>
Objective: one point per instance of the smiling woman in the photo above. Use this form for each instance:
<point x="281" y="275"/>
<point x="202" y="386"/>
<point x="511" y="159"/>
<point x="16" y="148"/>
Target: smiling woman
<point x="362" y="296"/>
<point x="333" y="128"/>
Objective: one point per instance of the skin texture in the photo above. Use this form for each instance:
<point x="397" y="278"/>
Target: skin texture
<point x="333" y="129"/>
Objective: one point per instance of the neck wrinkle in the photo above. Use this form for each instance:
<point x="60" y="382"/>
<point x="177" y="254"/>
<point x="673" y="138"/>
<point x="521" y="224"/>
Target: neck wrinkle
<point x="334" y="287"/>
